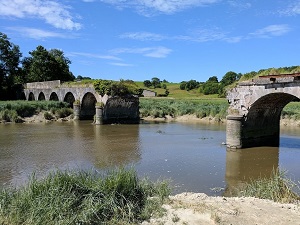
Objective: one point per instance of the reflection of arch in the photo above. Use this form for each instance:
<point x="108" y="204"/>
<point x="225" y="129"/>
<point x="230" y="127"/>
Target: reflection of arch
<point x="69" y="98"/>
<point x="22" y="96"/>
<point x="41" y="97"/>
<point x="53" y="97"/>
<point x="88" y="106"/>
<point x="261" y="125"/>
<point x="31" y="97"/>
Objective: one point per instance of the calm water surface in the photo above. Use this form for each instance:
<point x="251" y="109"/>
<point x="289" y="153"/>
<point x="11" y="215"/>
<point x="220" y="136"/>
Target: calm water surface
<point x="190" y="154"/>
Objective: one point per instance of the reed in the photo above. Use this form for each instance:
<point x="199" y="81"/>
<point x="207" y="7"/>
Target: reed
<point x="277" y="188"/>
<point x="116" y="197"/>
<point x="178" y="107"/>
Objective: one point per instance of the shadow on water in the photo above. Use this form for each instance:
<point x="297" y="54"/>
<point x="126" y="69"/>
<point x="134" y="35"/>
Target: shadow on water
<point x="244" y="165"/>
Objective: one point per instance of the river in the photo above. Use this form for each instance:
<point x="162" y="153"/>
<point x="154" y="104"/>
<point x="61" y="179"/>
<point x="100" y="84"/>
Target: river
<point x="189" y="154"/>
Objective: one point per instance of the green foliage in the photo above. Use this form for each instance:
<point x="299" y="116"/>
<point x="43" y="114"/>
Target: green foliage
<point x="189" y="85"/>
<point x="270" y="71"/>
<point x="201" y="108"/>
<point x="48" y="116"/>
<point x="114" y="88"/>
<point x="28" y="108"/>
<point x="44" y="65"/>
<point x="116" y="197"/>
<point x="9" y="66"/>
<point x="156" y="82"/>
<point x="277" y="188"/>
<point x="229" y="78"/>
<point x="9" y="115"/>
<point x="147" y="83"/>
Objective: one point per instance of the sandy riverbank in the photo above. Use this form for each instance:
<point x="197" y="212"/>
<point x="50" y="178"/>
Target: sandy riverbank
<point x="198" y="208"/>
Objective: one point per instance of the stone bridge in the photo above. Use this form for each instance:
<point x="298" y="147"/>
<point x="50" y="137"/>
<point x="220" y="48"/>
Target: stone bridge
<point x="83" y="98"/>
<point x="255" y="109"/>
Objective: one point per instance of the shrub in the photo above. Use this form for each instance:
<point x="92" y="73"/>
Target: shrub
<point x="64" y="112"/>
<point x="48" y="116"/>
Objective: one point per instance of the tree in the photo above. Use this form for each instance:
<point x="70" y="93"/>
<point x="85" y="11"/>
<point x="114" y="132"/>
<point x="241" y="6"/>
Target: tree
<point x="9" y="66"/>
<point x="182" y="85"/>
<point x="46" y="65"/>
<point x="229" y="78"/>
<point x="192" y="84"/>
<point x="213" y="79"/>
<point x="156" y="82"/>
<point x="147" y="83"/>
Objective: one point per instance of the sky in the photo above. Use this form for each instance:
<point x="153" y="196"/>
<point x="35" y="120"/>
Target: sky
<point x="175" y="40"/>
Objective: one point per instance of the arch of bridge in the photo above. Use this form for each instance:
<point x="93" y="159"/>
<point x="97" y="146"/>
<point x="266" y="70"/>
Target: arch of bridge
<point x="259" y="104"/>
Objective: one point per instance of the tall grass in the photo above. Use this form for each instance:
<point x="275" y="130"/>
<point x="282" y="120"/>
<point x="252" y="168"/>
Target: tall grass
<point x="291" y="111"/>
<point x="117" y="197"/>
<point x="175" y="107"/>
<point x="10" y="111"/>
<point x="277" y="188"/>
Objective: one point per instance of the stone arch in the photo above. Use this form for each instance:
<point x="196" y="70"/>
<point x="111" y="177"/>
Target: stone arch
<point x="69" y="98"/>
<point x="41" y="96"/>
<point x="31" y="97"/>
<point x="53" y="97"/>
<point x="88" y="106"/>
<point x="261" y="126"/>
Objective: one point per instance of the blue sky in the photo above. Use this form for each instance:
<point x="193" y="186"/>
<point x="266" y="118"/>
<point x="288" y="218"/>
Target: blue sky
<point x="174" y="40"/>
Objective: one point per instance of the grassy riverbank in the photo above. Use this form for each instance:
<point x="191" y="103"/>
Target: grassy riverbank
<point x="14" y="111"/>
<point x="117" y="197"/>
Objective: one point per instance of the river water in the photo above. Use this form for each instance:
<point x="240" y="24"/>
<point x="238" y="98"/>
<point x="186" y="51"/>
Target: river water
<point x="190" y="154"/>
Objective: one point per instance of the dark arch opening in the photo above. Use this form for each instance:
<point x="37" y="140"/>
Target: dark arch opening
<point x="31" y="97"/>
<point x="41" y="97"/>
<point x="69" y="98"/>
<point x="262" y="123"/>
<point x="88" y="106"/>
<point x="53" y="97"/>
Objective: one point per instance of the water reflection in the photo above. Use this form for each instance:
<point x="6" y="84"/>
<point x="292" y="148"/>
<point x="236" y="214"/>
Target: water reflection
<point x="42" y="148"/>
<point x="244" y="165"/>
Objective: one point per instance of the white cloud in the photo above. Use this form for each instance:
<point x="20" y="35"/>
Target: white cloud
<point x="91" y="55"/>
<point x="121" y="64"/>
<point x="145" y="7"/>
<point x="143" y="36"/>
<point x="36" y="33"/>
<point x="155" y="52"/>
<point x="52" y="12"/>
<point x="272" y="30"/>
<point x="240" y="4"/>
<point x="292" y="9"/>
<point x="195" y="35"/>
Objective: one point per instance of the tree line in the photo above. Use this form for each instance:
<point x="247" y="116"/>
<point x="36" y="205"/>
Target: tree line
<point x="212" y="85"/>
<point x="41" y="65"/>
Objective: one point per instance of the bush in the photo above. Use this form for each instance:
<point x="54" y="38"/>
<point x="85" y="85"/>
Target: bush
<point x="64" y="112"/>
<point x="48" y="116"/>
<point x="9" y="115"/>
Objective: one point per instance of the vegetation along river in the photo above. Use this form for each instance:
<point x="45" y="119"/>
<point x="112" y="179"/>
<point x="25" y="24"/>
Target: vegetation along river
<point x="190" y="154"/>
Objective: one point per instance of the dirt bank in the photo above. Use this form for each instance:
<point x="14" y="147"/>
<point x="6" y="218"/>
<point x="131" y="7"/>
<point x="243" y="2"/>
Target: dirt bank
<point x="198" y="208"/>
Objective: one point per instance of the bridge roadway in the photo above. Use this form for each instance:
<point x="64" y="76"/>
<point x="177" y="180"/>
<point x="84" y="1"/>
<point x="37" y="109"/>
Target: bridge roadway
<point x="255" y="109"/>
<point x="115" y="108"/>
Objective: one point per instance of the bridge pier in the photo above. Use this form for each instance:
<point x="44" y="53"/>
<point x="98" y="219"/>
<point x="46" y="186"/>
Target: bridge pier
<point x="76" y="109"/>
<point x="99" y="115"/>
<point x="234" y="131"/>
